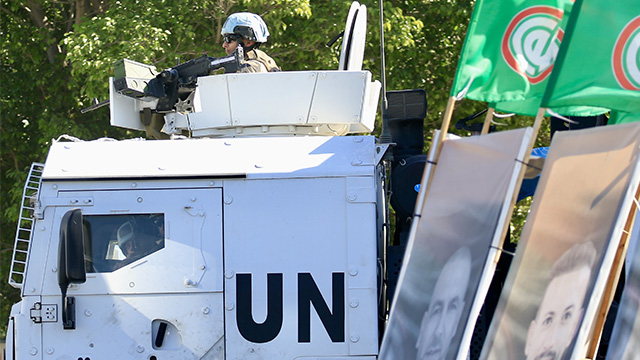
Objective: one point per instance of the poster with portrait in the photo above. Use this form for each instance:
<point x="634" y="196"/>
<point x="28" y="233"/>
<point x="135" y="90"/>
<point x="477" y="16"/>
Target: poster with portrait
<point x="558" y="275"/>
<point x="451" y="248"/>
<point x="625" y="338"/>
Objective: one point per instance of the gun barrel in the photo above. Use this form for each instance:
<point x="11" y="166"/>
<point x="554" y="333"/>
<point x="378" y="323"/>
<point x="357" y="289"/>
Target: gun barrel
<point x="94" y="106"/>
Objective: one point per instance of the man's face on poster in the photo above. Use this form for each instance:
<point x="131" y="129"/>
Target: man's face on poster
<point x="559" y="315"/>
<point x="440" y="321"/>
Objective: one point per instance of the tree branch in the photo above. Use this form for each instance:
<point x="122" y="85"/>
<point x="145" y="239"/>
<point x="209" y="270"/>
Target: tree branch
<point x="80" y="11"/>
<point x="38" y="17"/>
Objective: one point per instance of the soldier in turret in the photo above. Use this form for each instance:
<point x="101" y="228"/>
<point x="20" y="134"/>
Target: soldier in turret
<point x="249" y="31"/>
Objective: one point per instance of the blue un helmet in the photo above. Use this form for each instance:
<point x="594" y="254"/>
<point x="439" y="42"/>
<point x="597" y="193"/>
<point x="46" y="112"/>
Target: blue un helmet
<point x="248" y="25"/>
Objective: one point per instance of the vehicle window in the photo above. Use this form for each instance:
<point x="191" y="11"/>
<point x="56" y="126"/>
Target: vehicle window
<point x="112" y="241"/>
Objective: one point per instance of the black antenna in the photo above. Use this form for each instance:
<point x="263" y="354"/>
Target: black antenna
<point x="385" y="136"/>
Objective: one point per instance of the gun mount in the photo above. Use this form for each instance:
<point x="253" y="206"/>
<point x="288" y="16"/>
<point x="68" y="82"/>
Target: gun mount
<point x="290" y="103"/>
<point x="171" y="87"/>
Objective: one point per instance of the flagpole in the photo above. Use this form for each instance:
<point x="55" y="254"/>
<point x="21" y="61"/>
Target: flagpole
<point x="444" y="129"/>
<point x="536" y="129"/>
<point x="441" y="135"/>
<point x="446" y="121"/>
<point x="487" y="121"/>
<point x="525" y="159"/>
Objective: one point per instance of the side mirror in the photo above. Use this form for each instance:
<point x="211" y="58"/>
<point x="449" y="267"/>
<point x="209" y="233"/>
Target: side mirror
<point x="71" y="268"/>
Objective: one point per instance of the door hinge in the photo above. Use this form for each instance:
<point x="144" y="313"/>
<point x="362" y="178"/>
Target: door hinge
<point x="44" y="313"/>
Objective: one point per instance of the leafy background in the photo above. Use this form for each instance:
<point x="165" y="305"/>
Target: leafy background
<point x="57" y="55"/>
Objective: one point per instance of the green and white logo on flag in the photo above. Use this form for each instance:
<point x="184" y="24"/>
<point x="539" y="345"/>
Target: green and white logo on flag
<point x="509" y="54"/>
<point x="599" y="59"/>
<point x="626" y="56"/>
<point x="531" y="42"/>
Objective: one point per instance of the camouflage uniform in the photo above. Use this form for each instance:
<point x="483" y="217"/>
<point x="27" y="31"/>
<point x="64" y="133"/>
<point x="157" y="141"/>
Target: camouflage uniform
<point x="256" y="61"/>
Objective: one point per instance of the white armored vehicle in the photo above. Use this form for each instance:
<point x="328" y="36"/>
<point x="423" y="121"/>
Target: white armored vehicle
<point x="259" y="235"/>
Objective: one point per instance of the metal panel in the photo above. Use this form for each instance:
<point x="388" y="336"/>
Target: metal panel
<point x="117" y="313"/>
<point x="281" y="98"/>
<point x="211" y="103"/>
<point x="122" y="327"/>
<point x="28" y="345"/>
<point x="339" y="97"/>
<point x="191" y="260"/>
<point x="362" y="265"/>
<point x="261" y="157"/>
<point x="125" y="111"/>
<point x="298" y="226"/>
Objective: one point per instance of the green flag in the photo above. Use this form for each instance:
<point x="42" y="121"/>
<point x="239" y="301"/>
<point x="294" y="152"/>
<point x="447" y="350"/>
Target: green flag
<point x="619" y="117"/>
<point x="509" y="52"/>
<point x="599" y="60"/>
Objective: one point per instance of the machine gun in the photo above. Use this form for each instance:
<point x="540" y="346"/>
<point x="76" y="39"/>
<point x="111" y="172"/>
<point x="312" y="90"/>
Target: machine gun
<point x="173" y="85"/>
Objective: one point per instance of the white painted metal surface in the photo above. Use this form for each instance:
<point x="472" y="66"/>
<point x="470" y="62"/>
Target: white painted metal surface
<point x="281" y="103"/>
<point x="326" y="230"/>
<point x="302" y="209"/>
<point x="125" y="111"/>
<point x="267" y="157"/>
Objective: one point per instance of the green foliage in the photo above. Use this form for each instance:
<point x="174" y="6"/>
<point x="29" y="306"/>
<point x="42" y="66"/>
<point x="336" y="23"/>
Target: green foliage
<point x="56" y="56"/>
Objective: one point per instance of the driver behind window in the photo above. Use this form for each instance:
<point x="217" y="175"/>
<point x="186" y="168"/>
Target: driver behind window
<point x="137" y="238"/>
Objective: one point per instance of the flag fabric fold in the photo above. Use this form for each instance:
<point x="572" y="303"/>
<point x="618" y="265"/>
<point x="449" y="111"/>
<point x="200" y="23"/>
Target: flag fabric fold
<point x="619" y="117"/>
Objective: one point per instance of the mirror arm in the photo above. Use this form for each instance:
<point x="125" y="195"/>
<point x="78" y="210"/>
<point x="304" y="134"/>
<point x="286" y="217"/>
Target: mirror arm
<point x="68" y="311"/>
